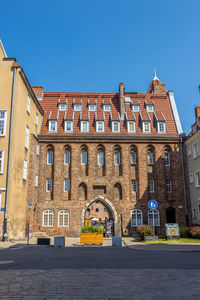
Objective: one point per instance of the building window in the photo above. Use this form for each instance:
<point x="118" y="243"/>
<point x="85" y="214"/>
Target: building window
<point x="66" y="185"/>
<point x="99" y="126"/>
<point x="28" y="104"/>
<point x="197" y="178"/>
<point x="169" y="186"/>
<point x="133" y="158"/>
<point x="195" y="148"/>
<point x="116" y="158"/>
<point x="49" y="185"/>
<point x="3" y="119"/>
<point x="167" y="158"/>
<point x="84" y="126"/>
<point x="84" y="158"/>
<point x="1" y="161"/>
<point x="134" y="185"/>
<point x="194" y="213"/>
<point x="100" y="158"/>
<point x="25" y="169"/>
<point x="52" y="126"/>
<point x="131" y="126"/>
<point x="67" y="157"/>
<point x="150" y="108"/>
<point x="49" y="157"/>
<point x="36" y="180"/>
<point x="68" y="126"/>
<point x="97" y="210"/>
<point x="153" y="217"/>
<point x="106" y="107"/>
<point x="115" y="126"/>
<point x="136" y="108"/>
<point x="161" y="127"/>
<point x="77" y="107"/>
<point x="136" y="218"/>
<point x="92" y="107"/>
<point x="151" y="186"/>
<point x="150" y="157"/>
<point x="146" y="127"/>
<point x="63" y="218"/>
<point x="37" y="149"/>
<point x="26" y="137"/>
<point x="62" y="107"/>
<point x="47" y="218"/>
<point x="191" y="178"/>
<point x="36" y="119"/>
<point x="189" y="151"/>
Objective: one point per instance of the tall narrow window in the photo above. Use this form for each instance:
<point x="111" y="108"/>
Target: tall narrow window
<point x="26" y="137"/>
<point x="48" y="217"/>
<point x="36" y="119"/>
<point x="49" y="157"/>
<point x="1" y="161"/>
<point x="169" y="186"/>
<point x="134" y="185"/>
<point x="150" y="157"/>
<point x="151" y="186"/>
<point x="28" y="103"/>
<point x="153" y="217"/>
<point x="167" y="158"/>
<point x="37" y="149"/>
<point x="3" y="119"/>
<point x="116" y="158"/>
<point x="52" y="126"/>
<point x="25" y="169"/>
<point x="133" y="158"/>
<point x="36" y="180"/>
<point x="100" y="158"/>
<point x="84" y="158"/>
<point x="67" y="157"/>
<point x="136" y="218"/>
<point x="63" y="218"/>
<point x="66" y="185"/>
<point x="49" y="185"/>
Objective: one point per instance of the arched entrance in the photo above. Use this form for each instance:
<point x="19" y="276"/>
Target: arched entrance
<point x="110" y="211"/>
<point x="170" y="215"/>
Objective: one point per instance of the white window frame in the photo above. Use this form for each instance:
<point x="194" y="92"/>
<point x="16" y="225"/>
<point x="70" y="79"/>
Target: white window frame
<point x="62" y="107"/>
<point x="36" y="118"/>
<point x="134" y="185"/>
<point x="50" y="125"/>
<point x="133" y="158"/>
<point x="113" y="126"/>
<point x="150" y="108"/>
<point x="36" y="180"/>
<point x="49" y="153"/>
<point x="151" y="186"/>
<point x="149" y="127"/>
<point x="158" y="127"/>
<point x="77" y="107"/>
<point x="150" y="158"/>
<point x="2" y="161"/>
<point x="136" y="108"/>
<point x="4" y="120"/>
<point x="28" y="106"/>
<point x="84" y="157"/>
<point x="97" y="126"/>
<point x="100" y="158"/>
<point x="167" y="158"/>
<point x="67" y="161"/>
<point x="135" y="213"/>
<point x="92" y="107"/>
<point x="195" y="148"/>
<point x="197" y="179"/>
<point x="153" y="212"/>
<point x="71" y="126"/>
<point x="106" y="107"/>
<point x="25" y="170"/>
<point x="82" y="126"/>
<point x="134" y="128"/>
<point x="66" y="184"/>
<point x="49" y="185"/>
<point x="169" y="186"/>
<point x="26" y="137"/>
<point x="49" y="213"/>
<point x="189" y="150"/>
<point x="191" y="178"/>
<point x="37" y="149"/>
<point x="117" y="158"/>
<point x="63" y="213"/>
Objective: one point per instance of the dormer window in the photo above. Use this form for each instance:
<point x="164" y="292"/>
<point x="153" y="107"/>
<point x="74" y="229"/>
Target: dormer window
<point x="115" y="126"/>
<point x="136" y="107"/>
<point x="100" y="126"/>
<point x="84" y="126"/>
<point x="68" y="126"/>
<point x="131" y="126"/>
<point x="92" y="107"/>
<point x="52" y="126"/>
<point x="106" y="107"/>
<point x="161" y="127"/>
<point x="77" y="107"/>
<point x="62" y="107"/>
<point x="150" y="108"/>
<point x="146" y="127"/>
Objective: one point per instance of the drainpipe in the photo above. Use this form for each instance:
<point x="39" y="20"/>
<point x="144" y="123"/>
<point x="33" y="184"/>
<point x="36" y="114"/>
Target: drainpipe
<point x="5" y="234"/>
<point x="184" y="184"/>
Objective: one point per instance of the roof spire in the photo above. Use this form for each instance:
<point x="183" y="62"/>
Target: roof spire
<point x="155" y="77"/>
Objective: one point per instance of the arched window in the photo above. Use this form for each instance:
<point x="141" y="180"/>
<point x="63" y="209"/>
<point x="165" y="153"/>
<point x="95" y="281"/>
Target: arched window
<point x="84" y="157"/>
<point x="100" y="155"/>
<point x="133" y="155"/>
<point x="50" y="155"/>
<point x="67" y="155"/>
<point x="82" y="193"/>
<point x="136" y="218"/>
<point x="153" y="217"/>
<point x="117" y="191"/>
<point x="63" y="218"/>
<point x="167" y="156"/>
<point x="150" y="155"/>
<point x="48" y="216"/>
<point x="117" y="155"/>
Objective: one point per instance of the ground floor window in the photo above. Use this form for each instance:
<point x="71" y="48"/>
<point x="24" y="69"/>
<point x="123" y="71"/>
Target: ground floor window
<point x="63" y="218"/>
<point x="153" y="217"/>
<point x="136" y="218"/>
<point x="48" y="216"/>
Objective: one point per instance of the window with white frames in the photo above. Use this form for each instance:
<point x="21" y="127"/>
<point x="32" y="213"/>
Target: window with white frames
<point x="136" y="218"/>
<point x="1" y="161"/>
<point x="131" y="126"/>
<point x="161" y="127"/>
<point x="52" y="126"/>
<point x="77" y="107"/>
<point x="84" y="126"/>
<point x="67" y="157"/>
<point x="195" y="148"/>
<point x="3" y="119"/>
<point x="63" y="218"/>
<point x="150" y="108"/>
<point x="167" y="158"/>
<point x="133" y="158"/>
<point x="189" y="151"/>
<point x="191" y="178"/>
<point x="136" y="108"/>
<point x="49" y="157"/>
<point x="66" y="184"/>
<point x="26" y="136"/>
<point x="153" y="217"/>
<point x="99" y="126"/>
<point x="116" y="158"/>
<point x="150" y="157"/>
<point x="36" y="119"/>
<point x="62" y="107"/>
<point x="100" y="158"/>
<point x="146" y="127"/>
<point x="84" y="158"/>
<point x="36" y="180"/>
<point x="134" y="185"/>
<point x="48" y="216"/>
<point x="197" y="178"/>
<point x="92" y="107"/>
<point x="28" y="103"/>
<point x="169" y="186"/>
<point x="68" y="126"/>
<point x="37" y="149"/>
<point x="115" y="126"/>
<point x="25" y="169"/>
<point x="106" y="107"/>
<point x="49" y="184"/>
<point x="151" y="186"/>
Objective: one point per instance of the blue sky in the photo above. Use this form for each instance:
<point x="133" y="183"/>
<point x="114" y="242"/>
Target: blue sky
<point x="92" y="45"/>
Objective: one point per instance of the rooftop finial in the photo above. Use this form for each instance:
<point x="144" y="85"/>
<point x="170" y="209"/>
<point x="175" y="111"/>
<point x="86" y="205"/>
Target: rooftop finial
<point x="155" y="77"/>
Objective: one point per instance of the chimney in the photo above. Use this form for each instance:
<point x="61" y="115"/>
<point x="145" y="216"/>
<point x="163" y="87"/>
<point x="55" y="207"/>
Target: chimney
<point x="121" y="100"/>
<point x="38" y="90"/>
<point x="197" y="111"/>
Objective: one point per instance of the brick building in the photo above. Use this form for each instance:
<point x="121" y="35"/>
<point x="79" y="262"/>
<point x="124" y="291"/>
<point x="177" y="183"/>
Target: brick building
<point x="119" y="149"/>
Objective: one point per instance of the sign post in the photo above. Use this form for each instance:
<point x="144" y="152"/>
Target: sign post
<point x="29" y="213"/>
<point x="152" y="205"/>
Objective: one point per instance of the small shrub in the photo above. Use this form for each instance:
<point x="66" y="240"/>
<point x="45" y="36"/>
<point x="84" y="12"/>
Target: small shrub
<point x="184" y="232"/>
<point x="195" y="232"/>
<point x="144" y="230"/>
<point x="87" y="229"/>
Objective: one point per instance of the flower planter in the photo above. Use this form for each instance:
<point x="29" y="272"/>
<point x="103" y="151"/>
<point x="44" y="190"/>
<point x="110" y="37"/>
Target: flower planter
<point x="91" y="238"/>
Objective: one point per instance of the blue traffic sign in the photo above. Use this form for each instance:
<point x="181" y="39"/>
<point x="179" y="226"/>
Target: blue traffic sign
<point x="152" y="204"/>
